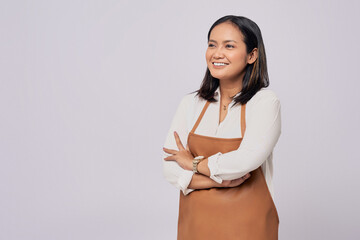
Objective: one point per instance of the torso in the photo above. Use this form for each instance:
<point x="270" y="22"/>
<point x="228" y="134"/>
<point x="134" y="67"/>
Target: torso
<point x="246" y="211"/>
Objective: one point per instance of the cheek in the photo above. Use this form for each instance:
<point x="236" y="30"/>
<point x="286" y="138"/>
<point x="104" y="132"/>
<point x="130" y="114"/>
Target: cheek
<point x="208" y="58"/>
<point x="207" y="55"/>
<point x="238" y="59"/>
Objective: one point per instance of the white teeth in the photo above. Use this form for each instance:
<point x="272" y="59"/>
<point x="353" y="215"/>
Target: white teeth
<point x="219" y="64"/>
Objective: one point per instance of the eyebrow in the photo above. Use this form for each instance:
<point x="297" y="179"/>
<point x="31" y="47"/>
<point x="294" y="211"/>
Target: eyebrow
<point x="225" y="41"/>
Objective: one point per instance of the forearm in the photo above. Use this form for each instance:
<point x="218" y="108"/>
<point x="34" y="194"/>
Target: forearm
<point x="200" y="181"/>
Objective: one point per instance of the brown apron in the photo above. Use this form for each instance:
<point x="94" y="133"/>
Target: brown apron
<point x="245" y="212"/>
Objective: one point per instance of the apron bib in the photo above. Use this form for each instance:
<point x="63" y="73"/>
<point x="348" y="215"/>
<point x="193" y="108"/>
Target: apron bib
<point x="245" y="212"/>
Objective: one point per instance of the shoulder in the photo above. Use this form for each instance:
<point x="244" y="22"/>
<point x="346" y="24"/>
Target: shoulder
<point x="265" y="93"/>
<point x="265" y="101"/>
<point x="264" y="96"/>
<point x="190" y="105"/>
<point x="190" y="99"/>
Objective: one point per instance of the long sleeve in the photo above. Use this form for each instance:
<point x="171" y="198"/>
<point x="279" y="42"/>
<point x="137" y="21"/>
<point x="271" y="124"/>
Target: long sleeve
<point x="172" y="171"/>
<point x="263" y="129"/>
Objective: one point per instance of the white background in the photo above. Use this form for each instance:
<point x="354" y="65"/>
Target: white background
<point x="88" y="90"/>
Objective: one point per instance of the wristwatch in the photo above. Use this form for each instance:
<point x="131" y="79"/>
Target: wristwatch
<point x="196" y="161"/>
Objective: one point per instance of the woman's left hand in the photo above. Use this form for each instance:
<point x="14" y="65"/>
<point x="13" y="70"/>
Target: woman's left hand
<point x="183" y="157"/>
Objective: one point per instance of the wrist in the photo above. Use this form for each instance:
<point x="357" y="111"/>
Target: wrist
<point x="195" y="163"/>
<point x="203" y="167"/>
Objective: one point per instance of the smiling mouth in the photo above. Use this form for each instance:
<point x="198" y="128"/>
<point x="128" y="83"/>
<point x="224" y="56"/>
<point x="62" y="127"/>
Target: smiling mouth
<point x="219" y="64"/>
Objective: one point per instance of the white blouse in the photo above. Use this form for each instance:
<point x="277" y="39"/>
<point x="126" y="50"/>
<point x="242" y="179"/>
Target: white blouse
<point x="263" y="128"/>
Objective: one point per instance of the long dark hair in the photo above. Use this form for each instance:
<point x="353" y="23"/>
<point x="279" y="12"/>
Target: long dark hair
<point x="256" y="74"/>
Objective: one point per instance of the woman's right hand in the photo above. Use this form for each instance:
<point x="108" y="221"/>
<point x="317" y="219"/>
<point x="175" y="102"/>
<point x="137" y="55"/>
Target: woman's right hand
<point x="235" y="182"/>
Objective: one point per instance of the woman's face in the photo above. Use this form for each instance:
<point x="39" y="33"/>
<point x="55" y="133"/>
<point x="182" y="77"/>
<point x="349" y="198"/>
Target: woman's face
<point x="226" y="55"/>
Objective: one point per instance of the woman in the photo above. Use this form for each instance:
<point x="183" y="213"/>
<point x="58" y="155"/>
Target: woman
<point x="225" y="171"/>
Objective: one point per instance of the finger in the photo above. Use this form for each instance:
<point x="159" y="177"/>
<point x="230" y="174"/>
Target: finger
<point x="170" y="158"/>
<point x="226" y="182"/>
<point x="235" y="182"/>
<point x="178" y="141"/>
<point x="242" y="179"/>
<point x="171" y="151"/>
<point x="238" y="181"/>
<point x="246" y="176"/>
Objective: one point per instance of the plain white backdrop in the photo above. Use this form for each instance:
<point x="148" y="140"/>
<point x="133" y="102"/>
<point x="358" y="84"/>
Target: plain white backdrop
<point x="88" y="90"/>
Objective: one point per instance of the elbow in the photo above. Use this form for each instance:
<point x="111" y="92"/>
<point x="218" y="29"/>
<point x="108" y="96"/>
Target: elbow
<point x="171" y="174"/>
<point x="187" y="191"/>
<point x="177" y="177"/>
<point x="167" y="173"/>
<point x="167" y="169"/>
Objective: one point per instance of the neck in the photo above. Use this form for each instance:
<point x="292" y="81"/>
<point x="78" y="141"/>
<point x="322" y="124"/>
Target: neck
<point x="229" y="89"/>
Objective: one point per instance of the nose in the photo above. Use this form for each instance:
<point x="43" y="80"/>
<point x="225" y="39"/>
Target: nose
<point x="218" y="53"/>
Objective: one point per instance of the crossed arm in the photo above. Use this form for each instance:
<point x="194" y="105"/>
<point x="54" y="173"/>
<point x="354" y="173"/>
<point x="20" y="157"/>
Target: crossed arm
<point x="178" y="171"/>
<point x="200" y="180"/>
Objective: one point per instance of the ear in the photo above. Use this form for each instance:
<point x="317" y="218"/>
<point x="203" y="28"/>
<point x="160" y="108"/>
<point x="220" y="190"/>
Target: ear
<point x="252" y="56"/>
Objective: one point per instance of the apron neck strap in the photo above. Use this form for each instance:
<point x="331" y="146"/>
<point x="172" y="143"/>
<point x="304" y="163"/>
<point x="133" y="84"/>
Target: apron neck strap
<point x="243" y="124"/>
<point x="200" y="117"/>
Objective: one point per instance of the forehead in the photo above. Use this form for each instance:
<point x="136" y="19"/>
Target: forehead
<point x="226" y="31"/>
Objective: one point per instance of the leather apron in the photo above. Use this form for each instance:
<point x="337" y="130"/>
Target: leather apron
<point x="245" y="212"/>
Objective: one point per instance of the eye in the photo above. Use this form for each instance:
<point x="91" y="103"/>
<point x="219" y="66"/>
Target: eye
<point x="229" y="45"/>
<point x="210" y="45"/>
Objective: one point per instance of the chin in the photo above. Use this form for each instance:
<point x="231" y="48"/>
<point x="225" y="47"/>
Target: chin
<point x="218" y="75"/>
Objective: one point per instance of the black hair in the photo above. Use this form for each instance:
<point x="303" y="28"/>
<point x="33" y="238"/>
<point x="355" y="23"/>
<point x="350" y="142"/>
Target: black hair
<point x="256" y="74"/>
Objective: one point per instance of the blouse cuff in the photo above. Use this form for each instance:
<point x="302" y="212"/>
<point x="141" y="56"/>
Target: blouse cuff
<point x="184" y="181"/>
<point x="214" y="167"/>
